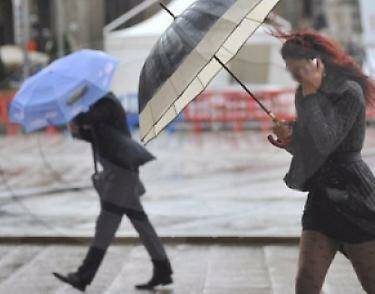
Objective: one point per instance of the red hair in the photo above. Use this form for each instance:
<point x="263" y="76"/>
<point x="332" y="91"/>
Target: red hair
<point x="311" y="45"/>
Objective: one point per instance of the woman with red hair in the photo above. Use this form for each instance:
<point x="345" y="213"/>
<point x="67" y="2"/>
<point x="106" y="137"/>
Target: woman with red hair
<point x="326" y="142"/>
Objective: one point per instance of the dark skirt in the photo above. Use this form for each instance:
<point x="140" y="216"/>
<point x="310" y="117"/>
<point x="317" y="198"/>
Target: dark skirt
<point x="320" y="214"/>
<point x="345" y="220"/>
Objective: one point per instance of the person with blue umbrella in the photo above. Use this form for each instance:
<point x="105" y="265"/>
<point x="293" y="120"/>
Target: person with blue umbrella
<point x="62" y="90"/>
<point x="58" y="95"/>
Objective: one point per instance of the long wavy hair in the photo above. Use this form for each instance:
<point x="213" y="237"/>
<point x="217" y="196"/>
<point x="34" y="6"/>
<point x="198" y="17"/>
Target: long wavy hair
<point x="310" y="45"/>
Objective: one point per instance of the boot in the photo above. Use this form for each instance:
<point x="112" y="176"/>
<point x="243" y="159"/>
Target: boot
<point x="86" y="272"/>
<point x="162" y="275"/>
<point x="73" y="280"/>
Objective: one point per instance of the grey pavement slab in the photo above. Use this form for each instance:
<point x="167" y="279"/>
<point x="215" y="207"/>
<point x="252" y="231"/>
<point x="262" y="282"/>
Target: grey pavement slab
<point x="205" y="269"/>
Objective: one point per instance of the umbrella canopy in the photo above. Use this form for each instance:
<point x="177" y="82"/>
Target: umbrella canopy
<point x="68" y="86"/>
<point x="189" y="55"/>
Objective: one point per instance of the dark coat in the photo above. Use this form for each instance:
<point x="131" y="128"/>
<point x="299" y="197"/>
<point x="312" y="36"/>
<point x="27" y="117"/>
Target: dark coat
<point x="105" y="126"/>
<point x="329" y="124"/>
<point x="108" y="111"/>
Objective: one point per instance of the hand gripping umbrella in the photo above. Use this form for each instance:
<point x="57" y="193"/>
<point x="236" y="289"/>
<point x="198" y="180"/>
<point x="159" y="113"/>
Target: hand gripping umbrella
<point x="190" y="53"/>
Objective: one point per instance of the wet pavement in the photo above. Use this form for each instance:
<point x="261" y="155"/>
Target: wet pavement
<point x="208" y="184"/>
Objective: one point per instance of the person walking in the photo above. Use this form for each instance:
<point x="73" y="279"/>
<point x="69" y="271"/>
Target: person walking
<point x="326" y="142"/>
<point x="119" y="189"/>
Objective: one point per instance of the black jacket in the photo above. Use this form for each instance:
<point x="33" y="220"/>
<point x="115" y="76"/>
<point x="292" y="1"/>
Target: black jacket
<point x="108" y="111"/>
<point x="105" y="126"/>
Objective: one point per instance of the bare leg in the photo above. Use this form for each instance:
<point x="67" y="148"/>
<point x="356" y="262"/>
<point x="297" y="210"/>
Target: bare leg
<point x="316" y="254"/>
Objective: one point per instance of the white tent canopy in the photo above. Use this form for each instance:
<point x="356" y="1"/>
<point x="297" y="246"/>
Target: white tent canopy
<point x="131" y="47"/>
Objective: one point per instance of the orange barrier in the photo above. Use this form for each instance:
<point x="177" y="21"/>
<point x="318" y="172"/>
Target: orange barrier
<point x="6" y="127"/>
<point x="237" y="107"/>
<point x="234" y="107"/>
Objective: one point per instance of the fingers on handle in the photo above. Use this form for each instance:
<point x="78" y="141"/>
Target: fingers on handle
<point x="275" y="142"/>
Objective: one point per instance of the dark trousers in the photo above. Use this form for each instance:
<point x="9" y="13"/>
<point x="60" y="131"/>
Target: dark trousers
<point x="109" y="221"/>
<point x="119" y="196"/>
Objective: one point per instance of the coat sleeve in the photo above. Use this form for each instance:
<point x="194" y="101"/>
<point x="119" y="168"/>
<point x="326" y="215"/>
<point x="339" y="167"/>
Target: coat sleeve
<point x="291" y="146"/>
<point x="83" y="132"/>
<point x="329" y="128"/>
<point x="293" y="126"/>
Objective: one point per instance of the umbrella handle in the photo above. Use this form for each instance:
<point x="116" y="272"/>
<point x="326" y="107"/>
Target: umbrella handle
<point x="273" y="117"/>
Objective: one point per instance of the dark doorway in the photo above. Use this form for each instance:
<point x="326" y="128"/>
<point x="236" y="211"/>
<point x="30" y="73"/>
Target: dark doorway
<point x="6" y="22"/>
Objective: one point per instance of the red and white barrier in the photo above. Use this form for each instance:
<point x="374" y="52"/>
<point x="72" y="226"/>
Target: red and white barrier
<point x="8" y="128"/>
<point x="237" y="107"/>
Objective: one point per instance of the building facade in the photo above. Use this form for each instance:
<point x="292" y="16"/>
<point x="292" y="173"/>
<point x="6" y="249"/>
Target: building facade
<point x="82" y="21"/>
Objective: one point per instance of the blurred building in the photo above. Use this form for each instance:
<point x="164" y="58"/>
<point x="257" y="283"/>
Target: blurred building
<point x="344" y="19"/>
<point x="81" y="22"/>
<point x="338" y="18"/>
<point x="115" y="8"/>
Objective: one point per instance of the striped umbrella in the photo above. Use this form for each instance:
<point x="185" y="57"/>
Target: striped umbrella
<point x="190" y="53"/>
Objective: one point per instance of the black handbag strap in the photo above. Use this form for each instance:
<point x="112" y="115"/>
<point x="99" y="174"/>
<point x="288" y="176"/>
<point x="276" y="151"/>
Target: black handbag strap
<point x="94" y="154"/>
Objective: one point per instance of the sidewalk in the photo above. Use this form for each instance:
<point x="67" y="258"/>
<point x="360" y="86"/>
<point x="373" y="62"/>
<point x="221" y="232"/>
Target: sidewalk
<point x="221" y="185"/>
<point x="215" y="184"/>
<point x="198" y="269"/>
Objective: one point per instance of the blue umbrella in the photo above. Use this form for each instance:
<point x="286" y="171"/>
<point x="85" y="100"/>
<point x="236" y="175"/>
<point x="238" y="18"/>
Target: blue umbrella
<point x="67" y="87"/>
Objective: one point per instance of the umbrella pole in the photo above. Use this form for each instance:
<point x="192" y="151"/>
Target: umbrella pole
<point x="264" y="108"/>
<point x="167" y="10"/>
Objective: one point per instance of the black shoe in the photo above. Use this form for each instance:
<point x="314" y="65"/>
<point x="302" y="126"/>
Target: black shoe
<point x="162" y="275"/>
<point x="86" y="272"/>
<point x="90" y="265"/>
<point x="72" y="279"/>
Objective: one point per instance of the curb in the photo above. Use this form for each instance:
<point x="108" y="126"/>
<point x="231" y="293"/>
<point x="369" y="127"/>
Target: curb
<point x="173" y="240"/>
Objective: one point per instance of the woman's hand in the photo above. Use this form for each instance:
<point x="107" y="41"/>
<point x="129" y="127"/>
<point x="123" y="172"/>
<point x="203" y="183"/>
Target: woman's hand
<point x="312" y="76"/>
<point x="283" y="133"/>
<point x="277" y="142"/>
<point x="282" y="130"/>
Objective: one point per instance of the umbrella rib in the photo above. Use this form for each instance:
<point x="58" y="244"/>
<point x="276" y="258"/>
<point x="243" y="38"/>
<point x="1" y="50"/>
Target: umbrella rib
<point x="254" y="20"/>
<point x="268" y="112"/>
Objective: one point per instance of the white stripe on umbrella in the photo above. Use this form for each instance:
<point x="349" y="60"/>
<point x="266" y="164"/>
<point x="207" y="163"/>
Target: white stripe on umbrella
<point x="222" y="41"/>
